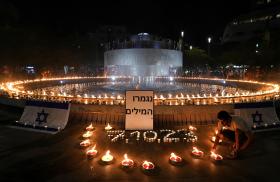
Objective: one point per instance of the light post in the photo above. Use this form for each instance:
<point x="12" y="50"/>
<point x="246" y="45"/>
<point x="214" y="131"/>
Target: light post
<point x="209" y="42"/>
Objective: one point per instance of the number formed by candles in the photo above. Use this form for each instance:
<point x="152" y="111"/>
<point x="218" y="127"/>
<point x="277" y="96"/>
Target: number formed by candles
<point x="148" y="138"/>
<point x="168" y="137"/>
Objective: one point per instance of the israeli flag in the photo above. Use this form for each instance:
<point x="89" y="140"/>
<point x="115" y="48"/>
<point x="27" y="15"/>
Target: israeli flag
<point x="258" y="115"/>
<point x="45" y="115"/>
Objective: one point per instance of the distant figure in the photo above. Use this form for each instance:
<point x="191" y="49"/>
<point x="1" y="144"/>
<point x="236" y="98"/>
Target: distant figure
<point x="236" y="130"/>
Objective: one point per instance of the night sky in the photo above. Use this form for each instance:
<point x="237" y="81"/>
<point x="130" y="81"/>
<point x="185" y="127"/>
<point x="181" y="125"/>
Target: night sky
<point x="198" y="18"/>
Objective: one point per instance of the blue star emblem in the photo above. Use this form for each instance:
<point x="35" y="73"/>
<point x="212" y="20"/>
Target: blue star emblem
<point x="257" y="117"/>
<point x="42" y="117"/>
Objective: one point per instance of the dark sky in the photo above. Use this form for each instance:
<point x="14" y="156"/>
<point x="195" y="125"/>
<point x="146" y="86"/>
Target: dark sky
<point x="198" y="18"/>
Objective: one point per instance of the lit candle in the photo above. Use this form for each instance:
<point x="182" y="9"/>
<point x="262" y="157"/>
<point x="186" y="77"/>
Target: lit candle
<point x="215" y="156"/>
<point x="192" y="128"/>
<point x="87" y="134"/>
<point x="175" y="159"/>
<point x="92" y="152"/>
<point x="90" y="127"/>
<point x="127" y="162"/>
<point x="108" y="127"/>
<point x="197" y="153"/>
<point x="146" y="165"/>
<point x="107" y="158"/>
<point x="213" y="139"/>
<point x="85" y="143"/>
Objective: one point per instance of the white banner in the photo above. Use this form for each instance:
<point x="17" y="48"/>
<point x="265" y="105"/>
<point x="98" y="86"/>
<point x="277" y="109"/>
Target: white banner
<point x="139" y="110"/>
<point x="45" y="115"/>
<point x="258" y="115"/>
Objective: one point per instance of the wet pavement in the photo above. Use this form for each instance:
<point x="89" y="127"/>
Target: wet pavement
<point x="33" y="156"/>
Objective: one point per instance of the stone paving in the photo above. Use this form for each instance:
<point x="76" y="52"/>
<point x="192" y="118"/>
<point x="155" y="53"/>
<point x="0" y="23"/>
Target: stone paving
<point x="33" y="156"/>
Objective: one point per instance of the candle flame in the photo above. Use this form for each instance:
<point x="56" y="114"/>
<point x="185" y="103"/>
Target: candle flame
<point x="215" y="156"/>
<point x="108" y="152"/>
<point x="145" y="163"/>
<point x="93" y="148"/>
<point x="125" y="156"/>
<point x="108" y="127"/>
<point x="173" y="155"/>
<point x="87" y="141"/>
<point x="192" y="128"/>
<point x="195" y="149"/>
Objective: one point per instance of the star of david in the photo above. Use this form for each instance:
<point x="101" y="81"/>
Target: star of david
<point x="42" y="117"/>
<point x="257" y="117"/>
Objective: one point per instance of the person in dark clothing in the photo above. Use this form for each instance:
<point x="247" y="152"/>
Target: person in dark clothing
<point x="236" y="130"/>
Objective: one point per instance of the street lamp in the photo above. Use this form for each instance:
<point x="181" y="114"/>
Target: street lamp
<point x="182" y="34"/>
<point x="191" y="47"/>
<point x="209" y="42"/>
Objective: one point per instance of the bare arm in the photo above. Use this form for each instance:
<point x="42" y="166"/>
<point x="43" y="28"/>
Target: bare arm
<point x="216" y="141"/>
<point x="249" y="135"/>
<point x="237" y="139"/>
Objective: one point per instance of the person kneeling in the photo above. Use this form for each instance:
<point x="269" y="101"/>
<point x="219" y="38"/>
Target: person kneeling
<point x="236" y="130"/>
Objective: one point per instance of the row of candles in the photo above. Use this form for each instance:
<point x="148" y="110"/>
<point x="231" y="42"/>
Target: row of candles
<point x="16" y="87"/>
<point x="174" y="159"/>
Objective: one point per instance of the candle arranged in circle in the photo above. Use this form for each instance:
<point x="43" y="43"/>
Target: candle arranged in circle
<point x="197" y="153"/>
<point x="215" y="156"/>
<point x="85" y="143"/>
<point x="87" y="134"/>
<point x="192" y="128"/>
<point x="107" y="157"/>
<point x="175" y="158"/>
<point x="148" y="166"/>
<point x="92" y="152"/>
<point x="108" y="127"/>
<point x="89" y="127"/>
<point x="127" y="162"/>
